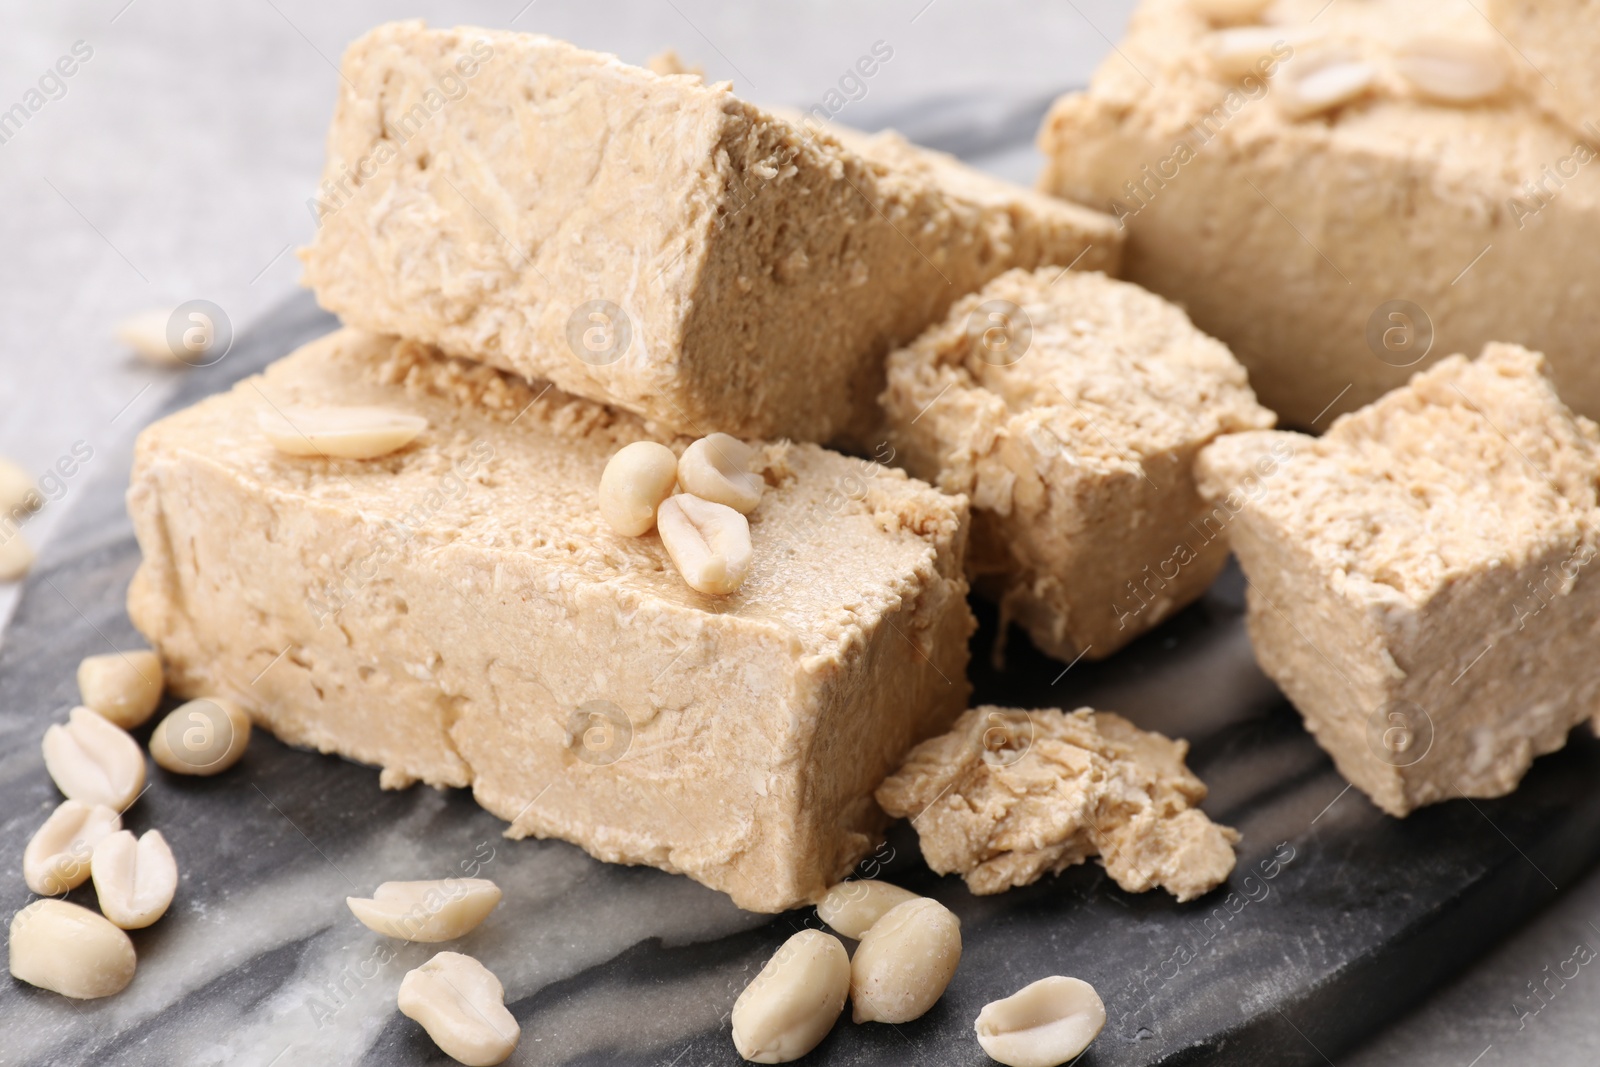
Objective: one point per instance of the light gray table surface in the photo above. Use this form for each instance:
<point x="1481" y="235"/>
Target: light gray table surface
<point x="177" y="160"/>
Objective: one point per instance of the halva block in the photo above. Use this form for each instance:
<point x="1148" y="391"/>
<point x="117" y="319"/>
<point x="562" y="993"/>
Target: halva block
<point x="1421" y="578"/>
<point x="458" y="612"/>
<point x="651" y="241"/>
<point x="1069" y="407"/>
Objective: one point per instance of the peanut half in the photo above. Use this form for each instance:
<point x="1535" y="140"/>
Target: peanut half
<point x="717" y="468"/>
<point x="904" y="962"/>
<point x="18" y="496"/>
<point x="462" y="1006"/>
<point x="709" y="543"/>
<point x="58" y="854"/>
<point x="134" y="879"/>
<point x="427" y="911"/>
<point x="340" y="432"/>
<point x="70" y="950"/>
<point x="852" y="907"/>
<point x="1230" y="10"/>
<point x="124" y="687"/>
<point x="789" y="1007"/>
<point x="1310" y="84"/>
<point x="1045" y="1024"/>
<point x="203" y="737"/>
<point x="1454" y="70"/>
<point x="635" y="482"/>
<point x="94" y="760"/>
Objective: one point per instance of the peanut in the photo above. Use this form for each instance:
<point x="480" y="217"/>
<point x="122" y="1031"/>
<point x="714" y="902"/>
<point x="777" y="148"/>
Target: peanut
<point x="635" y="482"/>
<point x="709" y="543"/>
<point x="852" y="907"/>
<point x="1453" y="70"/>
<point x="70" y="950"/>
<point x="717" y="468"/>
<point x="94" y="760"/>
<point x="58" y="854"/>
<point x="135" y="879"/>
<point x="1045" y="1024"/>
<point x="203" y="737"/>
<point x="462" y="1006"/>
<point x="340" y="432"/>
<point x="789" y="1007"/>
<point x="904" y="962"/>
<point x="124" y="687"/>
<point x="427" y="911"/>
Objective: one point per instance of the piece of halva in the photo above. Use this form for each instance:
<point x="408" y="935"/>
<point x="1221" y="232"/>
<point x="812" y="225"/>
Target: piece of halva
<point x="1069" y="408"/>
<point x="1008" y="796"/>
<point x="651" y="241"/>
<point x="458" y="612"/>
<point x="1420" y="578"/>
<point x="1343" y="193"/>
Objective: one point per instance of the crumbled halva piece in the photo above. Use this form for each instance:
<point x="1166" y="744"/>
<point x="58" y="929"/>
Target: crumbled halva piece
<point x="459" y="612"/>
<point x="1007" y="796"/>
<point x="649" y="240"/>
<point x="1075" y="448"/>
<point x="1420" y="577"/>
<point x="1337" y="251"/>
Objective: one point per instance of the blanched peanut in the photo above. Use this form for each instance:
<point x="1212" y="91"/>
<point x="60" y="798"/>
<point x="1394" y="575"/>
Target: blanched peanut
<point x="146" y="333"/>
<point x="789" y="1007"/>
<point x="57" y="856"/>
<point x="427" y="911"/>
<point x="462" y="1006"/>
<point x="124" y="687"/>
<point x="134" y="879"/>
<point x="709" y="543"/>
<point x="1230" y="10"/>
<point x="1045" y="1024"/>
<point x="1454" y="70"/>
<point x="340" y="432"/>
<point x="1308" y="85"/>
<point x="94" y="760"/>
<point x="852" y="907"/>
<point x="904" y="962"/>
<point x="203" y="737"/>
<point x="16" y="557"/>
<point x="70" y="950"/>
<point x="1243" y="50"/>
<point x="17" y="493"/>
<point x="635" y="482"/>
<point x="717" y="468"/>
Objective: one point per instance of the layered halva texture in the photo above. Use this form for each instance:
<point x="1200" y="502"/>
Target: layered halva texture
<point x="459" y="613"/>
<point x="1343" y="193"/>
<point x="1421" y="578"/>
<point x="649" y="240"/>
<point x="1069" y="407"/>
<point x="1010" y="795"/>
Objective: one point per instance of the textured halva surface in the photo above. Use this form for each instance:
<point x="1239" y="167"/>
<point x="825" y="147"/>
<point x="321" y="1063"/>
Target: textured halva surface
<point x="1287" y="239"/>
<point x="1007" y="796"/>
<point x="459" y="613"/>
<point x="1561" y="40"/>
<point x="763" y="268"/>
<point x="1077" y="455"/>
<point x="1421" y="578"/>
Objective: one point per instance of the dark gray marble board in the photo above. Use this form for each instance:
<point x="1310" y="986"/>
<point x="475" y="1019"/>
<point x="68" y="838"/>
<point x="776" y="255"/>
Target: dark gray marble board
<point x="260" y="963"/>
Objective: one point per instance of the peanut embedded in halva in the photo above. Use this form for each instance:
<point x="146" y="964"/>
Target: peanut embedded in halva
<point x="352" y="432"/>
<point x="58" y="855"/>
<point x="635" y="482"/>
<point x="852" y="907"/>
<point x="709" y="543"/>
<point x="70" y="950"/>
<point x="94" y="760"/>
<point x="203" y="737"/>
<point x="427" y="911"/>
<point x="462" y="1006"/>
<point x="1310" y="84"/>
<point x="717" y="468"/>
<point x="1045" y="1024"/>
<point x="135" y="879"/>
<point x="124" y="687"/>
<point x="1454" y="70"/>
<point x="789" y="1007"/>
<point x="904" y="962"/>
